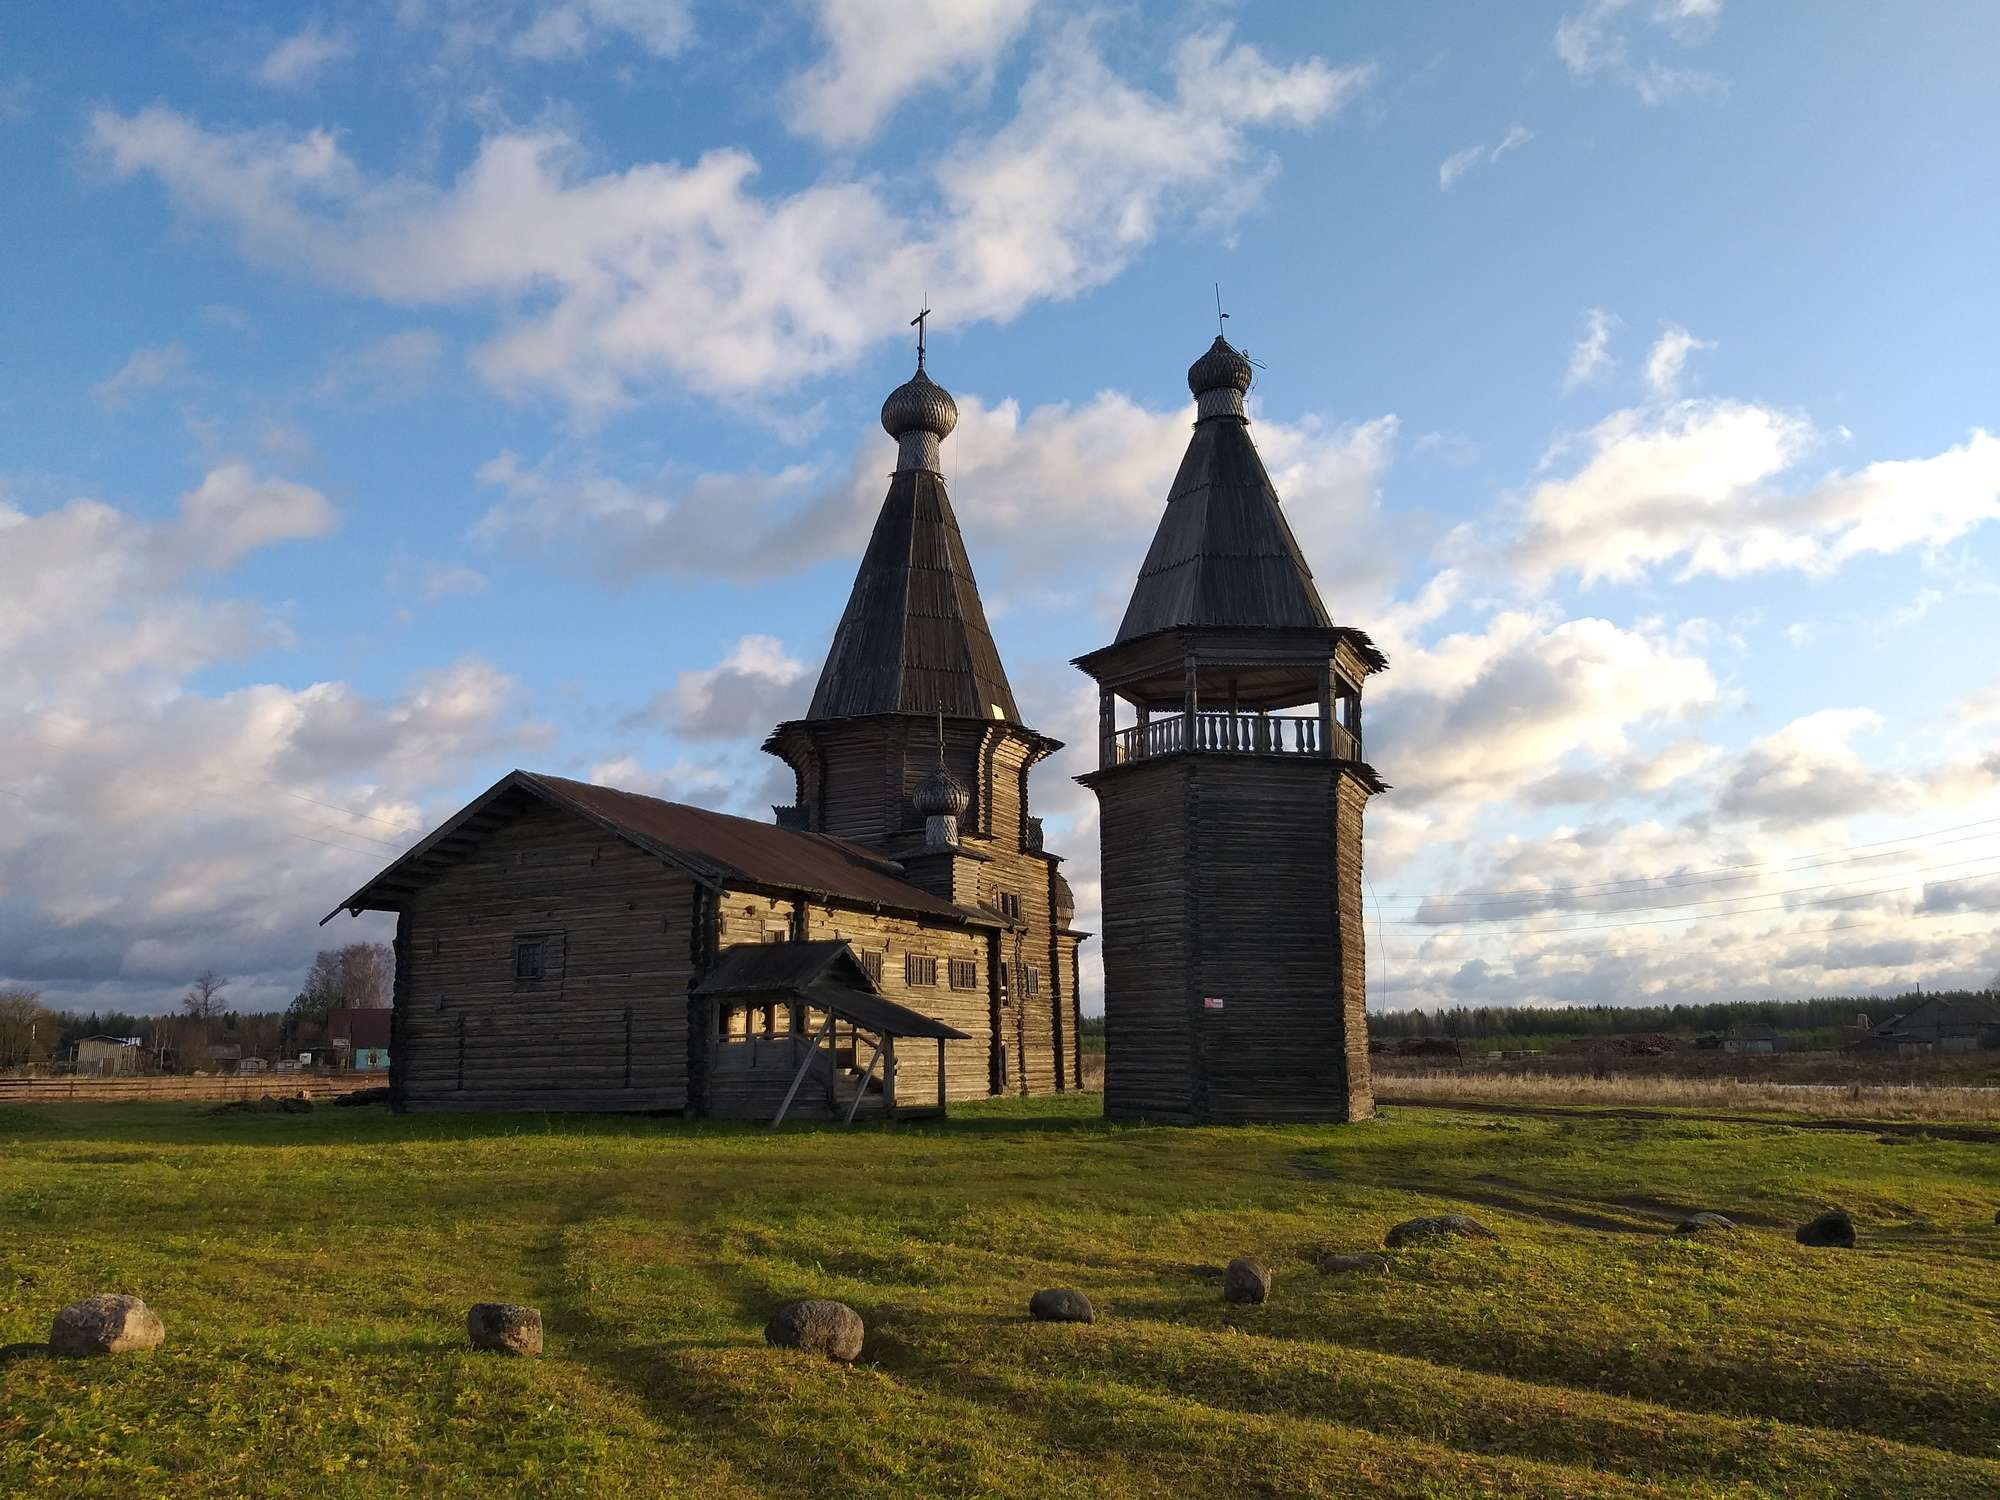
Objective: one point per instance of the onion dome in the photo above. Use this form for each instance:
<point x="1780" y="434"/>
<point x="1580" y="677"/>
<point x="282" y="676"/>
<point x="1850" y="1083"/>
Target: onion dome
<point x="919" y="404"/>
<point x="1223" y="368"/>
<point x="1065" y="902"/>
<point x="940" y="795"/>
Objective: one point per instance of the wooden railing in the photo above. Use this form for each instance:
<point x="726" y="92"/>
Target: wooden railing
<point x="1253" y="734"/>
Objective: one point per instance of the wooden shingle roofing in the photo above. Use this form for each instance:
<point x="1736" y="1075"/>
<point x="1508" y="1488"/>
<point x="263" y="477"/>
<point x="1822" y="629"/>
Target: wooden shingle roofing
<point x="1223" y="555"/>
<point x="914" y="637"/>
<point x="716" y="848"/>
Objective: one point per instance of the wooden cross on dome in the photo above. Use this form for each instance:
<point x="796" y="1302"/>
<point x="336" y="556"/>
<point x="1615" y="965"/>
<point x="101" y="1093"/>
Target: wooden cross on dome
<point x="918" y="323"/>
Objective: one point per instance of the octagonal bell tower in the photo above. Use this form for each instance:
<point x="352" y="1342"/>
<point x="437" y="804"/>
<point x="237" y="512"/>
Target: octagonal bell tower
<point x="1231" y="788"/>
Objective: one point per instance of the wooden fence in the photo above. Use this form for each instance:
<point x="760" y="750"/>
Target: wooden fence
<point x="87" y="1090"/>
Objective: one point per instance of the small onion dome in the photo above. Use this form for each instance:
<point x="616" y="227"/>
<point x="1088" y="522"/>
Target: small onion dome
<point x="1065" y="902"/>
<point x="1222" y="368"/>
<point x="939" y="794"/>
<point x="919" y="404"/>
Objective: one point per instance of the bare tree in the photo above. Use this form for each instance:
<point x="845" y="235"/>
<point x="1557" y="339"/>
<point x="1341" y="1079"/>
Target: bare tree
<point x="203" y="1001"/>
<point x="29" y="1030"/>
<point x="367" y="975"/>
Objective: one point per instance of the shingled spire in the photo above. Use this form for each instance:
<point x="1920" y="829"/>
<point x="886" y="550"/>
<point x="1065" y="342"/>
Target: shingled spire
<point x="1224" y="554"/>
<point x="914" y="637"/>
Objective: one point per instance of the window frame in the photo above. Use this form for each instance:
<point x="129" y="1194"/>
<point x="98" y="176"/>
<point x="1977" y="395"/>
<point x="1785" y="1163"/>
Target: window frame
<point x="538" y="944"/>
<point x="920" y="970"/>
<point x="964" y="973"/>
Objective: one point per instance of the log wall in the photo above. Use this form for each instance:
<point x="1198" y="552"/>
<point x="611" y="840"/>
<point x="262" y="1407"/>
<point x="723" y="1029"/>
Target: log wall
<point x="1234" y="968"/>
<point x="606" y="1029"/>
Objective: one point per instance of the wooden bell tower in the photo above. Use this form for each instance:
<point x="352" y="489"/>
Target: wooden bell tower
<point x="1231" y="787"/>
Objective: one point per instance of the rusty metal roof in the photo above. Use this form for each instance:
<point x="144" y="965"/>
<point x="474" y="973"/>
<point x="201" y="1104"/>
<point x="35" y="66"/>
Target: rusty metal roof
<point x="914" y="637"/>
<point x="878" y="1013"/>
<point x="713" y="847"/>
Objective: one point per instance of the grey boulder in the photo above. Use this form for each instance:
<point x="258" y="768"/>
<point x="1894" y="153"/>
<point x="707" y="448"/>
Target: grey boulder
<point x="819" y="1326"/>
<point x="1061" y="1304"/>
<point x="1437" y="1227"/>
<point x="1246" y="1280"/>
<point x="505" y="1328"/>
<point x="109" y="1323"/>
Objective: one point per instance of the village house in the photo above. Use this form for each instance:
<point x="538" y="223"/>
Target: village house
<point x="109" y="1055"/>
<point x="561" y="945"/>
<point x="359" y="1039"/>
<point x="1943" y="1023"/>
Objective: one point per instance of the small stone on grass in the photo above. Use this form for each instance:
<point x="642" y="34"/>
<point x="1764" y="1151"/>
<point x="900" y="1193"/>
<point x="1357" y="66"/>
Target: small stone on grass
<point x="109" y="1323"/>
<point x="1696" y="1223"/>
<point x="1437" y="1226"/>
<point x="1246" y="1280"/>
<point x="819" y="1326"/>
<point x="1340" y="1265"/>
<point x="505" y="1328"/>
<point x="1833" y="1229"/>
<point x="1061" y="1304"/>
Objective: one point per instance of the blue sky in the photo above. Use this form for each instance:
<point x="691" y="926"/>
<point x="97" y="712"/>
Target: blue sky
<point x="399" y="393"/>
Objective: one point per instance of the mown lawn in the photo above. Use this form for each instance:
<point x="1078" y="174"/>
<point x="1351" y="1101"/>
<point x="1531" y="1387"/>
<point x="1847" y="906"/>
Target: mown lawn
<point x="313" y="1272"/>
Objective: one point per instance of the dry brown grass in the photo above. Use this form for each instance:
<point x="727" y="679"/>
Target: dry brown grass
<point x="1856" y="1101"/>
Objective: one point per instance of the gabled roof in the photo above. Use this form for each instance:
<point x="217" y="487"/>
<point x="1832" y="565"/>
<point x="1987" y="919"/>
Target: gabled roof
<point x="827" y="976"/>
<point x="758" y="968"/>
<point x="1223" y="554"/>
<point x="914" y="637"/>
<point x="716" y="848"/>
<point x="1969" y="1012"/>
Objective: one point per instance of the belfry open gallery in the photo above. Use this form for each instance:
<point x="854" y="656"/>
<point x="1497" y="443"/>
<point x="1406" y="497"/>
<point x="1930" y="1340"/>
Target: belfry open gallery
<point x="898" y="937"/>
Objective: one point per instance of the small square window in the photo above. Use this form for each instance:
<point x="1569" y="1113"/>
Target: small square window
<point x="1010" y="905"/>
<point x="964" y="974"/>
<point x="919" y="968"/>
<point x="871" y="963"/>
<point x="530" y="958"/>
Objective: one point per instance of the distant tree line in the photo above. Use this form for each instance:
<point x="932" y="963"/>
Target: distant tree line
<point x="1489" y="1022"/>
<point x="360" y="976"/>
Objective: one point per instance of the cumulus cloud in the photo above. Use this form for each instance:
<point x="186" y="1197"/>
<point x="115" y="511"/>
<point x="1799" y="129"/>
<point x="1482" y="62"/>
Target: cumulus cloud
<point x="1698" y="482"/>
<point x="593" y="270"/>
<point x="880" y="52"/>
<point x="1459" y="163"/>
<point x="450" y="581"/>
<point x="1013" y="480"/>
<point x="300" y="58"/>
<point x="158" y="827"/>
<point x="1669" y="358"/>
<point x="757" y="684"/>
<point x="146" y="369"/>
<point x="1590" y="356"/>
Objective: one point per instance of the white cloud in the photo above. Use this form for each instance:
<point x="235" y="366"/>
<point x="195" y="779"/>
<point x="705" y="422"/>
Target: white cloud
<point x="1697" y="481"/>
<point x="146" y="369"/>
<point x="880" y="52"/>
<point x="300" y="58"/>
<point x="576" y="28"/>
<point x="1459" y="163"/>
<point x="451" y="581"/>
<point x="159" y="827"/>
<point x="1590" y="356"/>
<point x="1593" y="42"/>
<point x="757" y="684"/>
<point x="1669" y="357"/>
<point x="593" y="272"/>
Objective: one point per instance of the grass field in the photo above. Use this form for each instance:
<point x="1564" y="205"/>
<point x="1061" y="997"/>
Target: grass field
<point x="314" y="1272"/>
<point x="1871" y="1100"/>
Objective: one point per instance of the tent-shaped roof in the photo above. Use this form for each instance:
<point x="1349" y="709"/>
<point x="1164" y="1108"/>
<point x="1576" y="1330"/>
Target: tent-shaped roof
<point x="714" y="847"/>
<point x="914" y="637"/>
<point x="1223" y="555"/>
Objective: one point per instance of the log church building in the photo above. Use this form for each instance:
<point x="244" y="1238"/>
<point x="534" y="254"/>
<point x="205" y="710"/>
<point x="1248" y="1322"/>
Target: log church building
<point x="897" y="938"/>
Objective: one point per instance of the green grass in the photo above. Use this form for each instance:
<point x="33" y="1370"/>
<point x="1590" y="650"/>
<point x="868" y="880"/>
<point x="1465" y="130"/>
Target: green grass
<point x="314" y="1271"/>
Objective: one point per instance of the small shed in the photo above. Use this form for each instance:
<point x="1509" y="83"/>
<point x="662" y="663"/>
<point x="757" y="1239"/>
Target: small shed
<point x="108" y="1055"/>
<point x="1757" y="1042"/>
<point x="782" y="1014"/>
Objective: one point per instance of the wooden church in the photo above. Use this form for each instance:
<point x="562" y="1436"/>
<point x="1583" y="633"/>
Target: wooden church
<point x="1231" y="786"/>
<point x="898" y="938"/>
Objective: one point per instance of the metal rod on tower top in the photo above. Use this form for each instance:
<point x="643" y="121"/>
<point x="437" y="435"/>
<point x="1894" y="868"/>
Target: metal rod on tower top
<point x="1219" y="313"/>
